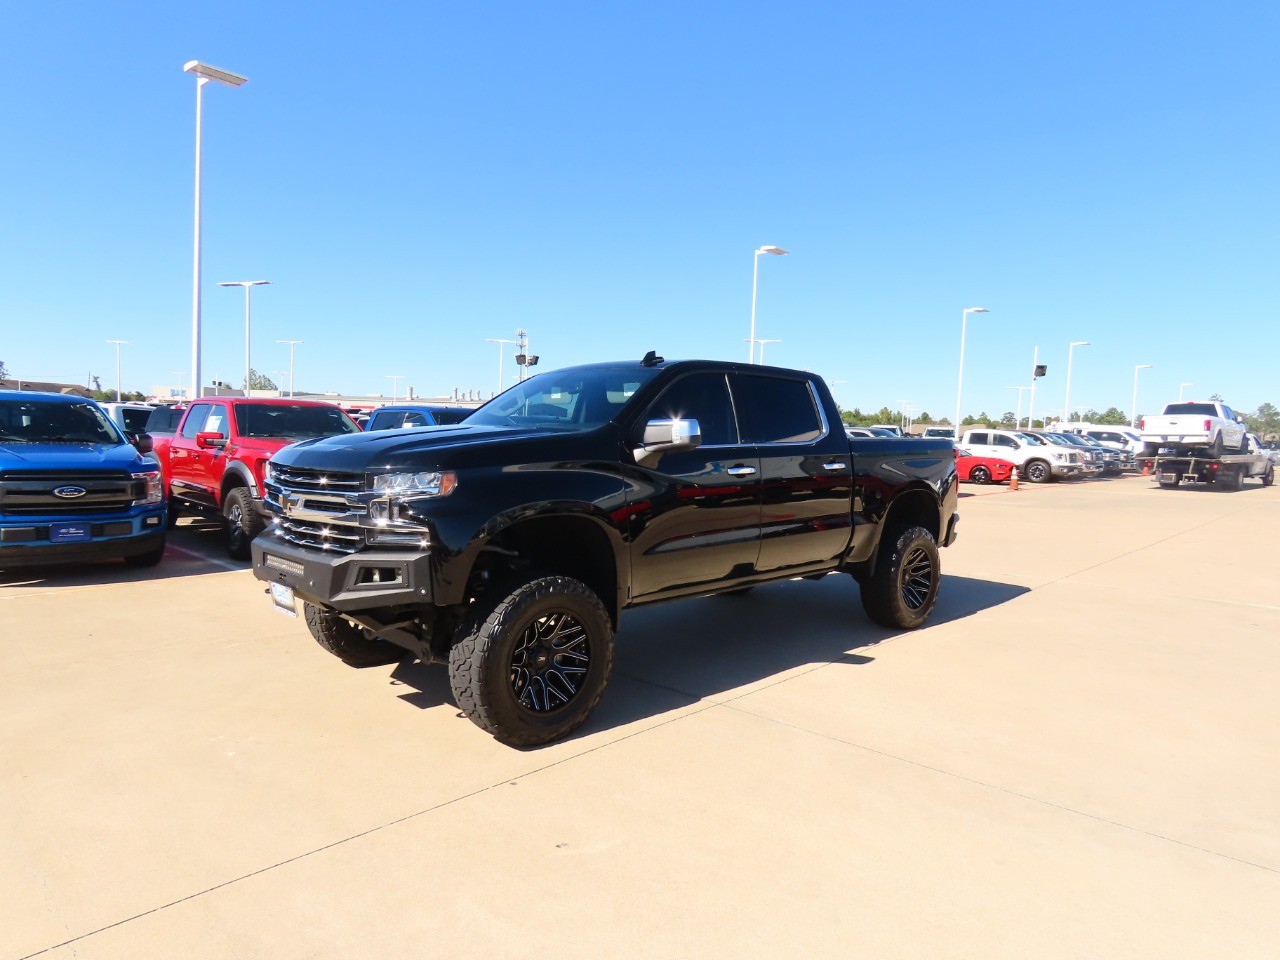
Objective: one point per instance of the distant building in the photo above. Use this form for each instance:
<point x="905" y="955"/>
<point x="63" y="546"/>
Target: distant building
<point x="41" y="386"/>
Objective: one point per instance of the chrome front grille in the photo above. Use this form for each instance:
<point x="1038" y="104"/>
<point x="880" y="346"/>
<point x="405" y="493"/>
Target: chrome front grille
<point x="298" y="478"/>
<point x="317" y="508"/>
<point x="334" y="537"/>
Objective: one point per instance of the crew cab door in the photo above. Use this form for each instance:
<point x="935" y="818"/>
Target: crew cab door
<point x="699" y="526"/>
<point x="190" y="465"/>
<point x="806" y="471"/>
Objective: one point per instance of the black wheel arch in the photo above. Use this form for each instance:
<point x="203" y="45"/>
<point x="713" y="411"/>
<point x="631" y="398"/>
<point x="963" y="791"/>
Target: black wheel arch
<point x="917" y="506"/>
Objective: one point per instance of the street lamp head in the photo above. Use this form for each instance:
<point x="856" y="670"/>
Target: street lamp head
<point x="977" y="310"/>
<point x="213" y="73"/>
<point x="242" y="283"/>
<point x="1079" y="343"/>
<point x="774" y="251"/>
<point x="1143" y="366"/>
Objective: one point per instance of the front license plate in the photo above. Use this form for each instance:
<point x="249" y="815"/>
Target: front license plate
<point x="70" y="532"/>
<point x="282" y="597"/>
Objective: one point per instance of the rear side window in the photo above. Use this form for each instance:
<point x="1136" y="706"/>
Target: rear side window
<point x="135" y="420"/>
<point x="775" y="409"/>
<point x="195" y="420"/>
<point x="978" y="438"/>
<point x="163" y="420"/>
<point x="703" y="397"/>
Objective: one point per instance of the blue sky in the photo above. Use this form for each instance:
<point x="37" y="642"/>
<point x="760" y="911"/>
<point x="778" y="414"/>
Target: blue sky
<point x="415" y="178"/>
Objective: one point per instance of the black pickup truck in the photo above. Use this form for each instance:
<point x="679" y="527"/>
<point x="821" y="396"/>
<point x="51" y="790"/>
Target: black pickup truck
<point x="507" y="546"/>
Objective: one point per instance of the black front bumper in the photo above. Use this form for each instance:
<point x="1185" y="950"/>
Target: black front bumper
<point x="366" y="580"/>
<point x="49" y="554"/>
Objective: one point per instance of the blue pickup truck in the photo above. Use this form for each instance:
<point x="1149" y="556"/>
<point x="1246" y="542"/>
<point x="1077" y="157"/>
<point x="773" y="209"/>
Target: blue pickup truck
<point x="72" y="488"/>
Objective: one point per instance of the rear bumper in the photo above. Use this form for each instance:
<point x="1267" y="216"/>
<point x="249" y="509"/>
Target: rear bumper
<point x="366" y="580"/>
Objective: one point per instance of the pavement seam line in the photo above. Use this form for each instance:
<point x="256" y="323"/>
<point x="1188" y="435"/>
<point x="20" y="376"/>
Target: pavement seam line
<point x="999" y="789"/>
<point x="708" y="705"/>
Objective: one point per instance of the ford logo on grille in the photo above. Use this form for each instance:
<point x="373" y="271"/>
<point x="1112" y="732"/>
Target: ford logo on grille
<point x="69" y="493"/>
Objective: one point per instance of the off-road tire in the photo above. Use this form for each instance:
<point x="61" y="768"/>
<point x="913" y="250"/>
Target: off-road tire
<point x="903" y="590"/>
<point x="354" y="646"/>
<point x="979" y="475"/>
<point x="1215" y="448"/>
<point x="148" y="559"/>
<point x="498" y="686"/>
<point x="1269" y="476"/>
<point x="243" y="522"/>
<point x="1038" y="471"/>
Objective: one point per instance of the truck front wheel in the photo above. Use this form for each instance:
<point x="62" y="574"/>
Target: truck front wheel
<point x="530" y="663"/>
<point x="901" y="593"/>
<point x="1038" y="471"/>
<point x="354" y="646"/>
<point x="243" y="522"/>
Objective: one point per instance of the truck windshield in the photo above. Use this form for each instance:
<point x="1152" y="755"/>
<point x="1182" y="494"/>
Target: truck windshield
<point x="36" y="421"/>
<point x="576" y="398"/>
<point x="1192" y="409"/>
<point x="291" y="421"/>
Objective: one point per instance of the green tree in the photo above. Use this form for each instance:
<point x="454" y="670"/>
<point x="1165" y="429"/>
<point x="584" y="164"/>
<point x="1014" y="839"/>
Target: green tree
<point x="1215" y="397"/>
<point x="260" y="381"/>
<point x="1265" y="420"/>
<point x="1009" y="420"/>
<point x="1113" y="416"/>
<point x="3" y="372"/>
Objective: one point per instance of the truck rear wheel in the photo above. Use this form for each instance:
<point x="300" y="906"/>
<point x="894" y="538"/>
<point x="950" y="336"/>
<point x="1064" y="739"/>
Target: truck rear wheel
<point x="530" y="663"/>
<point x="354" y="646"/>
<point x="903" y="590"/>
<point x="1215" y="448"/>
<point x="1269" y="477"/>
<point x="243" y="522"/>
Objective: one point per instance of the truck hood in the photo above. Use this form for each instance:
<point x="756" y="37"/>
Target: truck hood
<point x="382" y="449"/>
<point x="71" y="456"/>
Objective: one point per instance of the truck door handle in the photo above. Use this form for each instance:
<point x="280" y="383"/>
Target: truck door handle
<point x="741" y="471"/>
<point x="833" y="465"/>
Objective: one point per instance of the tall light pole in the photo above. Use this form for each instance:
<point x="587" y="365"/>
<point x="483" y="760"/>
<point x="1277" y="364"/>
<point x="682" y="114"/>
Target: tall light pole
<point x="964" y="323"/>
<point x="292" y="344"/>
<point x="1180" y="386"/>
<point x="1017" y="423"/>
<point x="1035" y="375"/>
<point x="395" y="379"/>
<point x="247" y="284"/>
<point x="118" y="344"/>
<point x="762" y="343"/>
<point x="755" y="282"/>
<point x="1133" y="414"/>
<point x="203" y="74"/>
<point x="1066" y="403"/>
<point x="499" y="342"/>
<point x="279" y="380"/>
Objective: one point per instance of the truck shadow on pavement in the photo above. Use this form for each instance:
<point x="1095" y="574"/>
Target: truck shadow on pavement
<point x="673" y="655"/>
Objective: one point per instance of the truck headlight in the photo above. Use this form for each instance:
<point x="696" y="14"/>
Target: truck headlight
<point x="154" y="488"/>
<point x="436" y="484"/>
<point x="1058" y="456"/>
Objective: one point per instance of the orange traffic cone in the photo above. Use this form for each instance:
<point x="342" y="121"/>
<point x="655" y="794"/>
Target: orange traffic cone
<point x="1013" y="479"/>
<point x="1146" y="468"/>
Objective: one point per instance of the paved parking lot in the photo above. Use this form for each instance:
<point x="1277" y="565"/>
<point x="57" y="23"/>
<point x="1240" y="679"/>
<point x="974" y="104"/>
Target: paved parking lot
<point x="1077" y="758"/>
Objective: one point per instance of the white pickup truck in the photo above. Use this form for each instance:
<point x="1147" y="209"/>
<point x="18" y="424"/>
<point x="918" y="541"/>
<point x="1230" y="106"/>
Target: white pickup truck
<point x="1206" y="428"/>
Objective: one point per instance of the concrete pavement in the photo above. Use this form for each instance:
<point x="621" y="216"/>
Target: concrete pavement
<point x="1076" y="758"/>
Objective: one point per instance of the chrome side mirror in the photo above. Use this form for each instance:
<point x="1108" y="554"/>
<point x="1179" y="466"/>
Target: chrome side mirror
<point x="665" y="436"/>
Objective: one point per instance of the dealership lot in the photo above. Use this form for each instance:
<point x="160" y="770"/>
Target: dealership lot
<point x="1077" y="757"/>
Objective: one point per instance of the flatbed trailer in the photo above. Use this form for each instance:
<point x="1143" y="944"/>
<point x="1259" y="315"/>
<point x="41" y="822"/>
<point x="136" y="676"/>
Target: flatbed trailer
<point x="1228" y="471"/>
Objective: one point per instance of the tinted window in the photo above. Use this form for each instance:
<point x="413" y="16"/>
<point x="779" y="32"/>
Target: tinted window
<point x="451" y="416"/>
<point x="1002" y="441"/>
<point x="135" y="421"/>
<point x="164" y="420"/>
<point x="703" y="397"/>
<point x="195" y="420"/>
<point x="576" y="398"/>
<point x="36" y="421"/>
<point x="977" y="438"/>
<point x="775" y="409"/>
<point x="1192" y="409"/>
<point x="291" y="422"/>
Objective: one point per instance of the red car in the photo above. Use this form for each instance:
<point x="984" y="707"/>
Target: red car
<point x="977" y="469"/>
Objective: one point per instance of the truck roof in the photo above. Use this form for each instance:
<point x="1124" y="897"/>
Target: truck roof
<point x="42" y="396"/>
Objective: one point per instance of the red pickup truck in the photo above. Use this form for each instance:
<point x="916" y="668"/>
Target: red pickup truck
<point x="213" y="460"/>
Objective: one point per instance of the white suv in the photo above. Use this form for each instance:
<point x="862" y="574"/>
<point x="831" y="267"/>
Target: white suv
<point x="1035" y="460"/>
